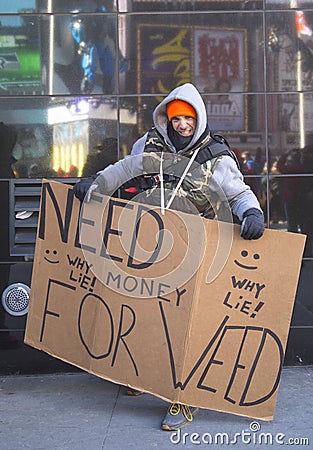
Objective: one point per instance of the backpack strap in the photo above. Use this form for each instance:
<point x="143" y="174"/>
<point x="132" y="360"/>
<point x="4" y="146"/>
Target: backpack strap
<point x="217" y="146"/>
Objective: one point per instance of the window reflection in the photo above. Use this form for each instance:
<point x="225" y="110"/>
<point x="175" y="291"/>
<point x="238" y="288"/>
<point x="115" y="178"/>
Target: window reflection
<point x="7" y="6"/>
<point x="195" y="5"/>
<point x="55" y="137"/>
<point x="289" y="50"/>
<point x="215" y="55"/>
<point x="8" y="138"/>
<point x="104" y="154"/>
<point x="252" y="164"/>
<point x="290" y="188"/>
<point x="80" y="54"/>
<point x="57" y="6"/>
<point x="285" y="4"/>
<point x="76" y="68"/>
<point x="19" y="55"/>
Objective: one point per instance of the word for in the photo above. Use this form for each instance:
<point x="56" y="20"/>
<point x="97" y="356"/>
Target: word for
<point x="114" y="333"/>
<point x="244" y="363"/>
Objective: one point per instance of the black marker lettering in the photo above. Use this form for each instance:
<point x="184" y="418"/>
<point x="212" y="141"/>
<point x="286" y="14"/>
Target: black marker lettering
<point x="180" y="384"/>
<point x="48" y="311"/>
<point x="121" y="335"/>
<point x="153" y="257"/>
<point x="109" y="230"/>
<point x="63" y="226"/>
<point x="90" y="298"/>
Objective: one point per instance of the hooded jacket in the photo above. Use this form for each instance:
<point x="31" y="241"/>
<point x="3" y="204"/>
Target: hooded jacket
<point x="188" y="93"/>
<point x="206" y="185"/>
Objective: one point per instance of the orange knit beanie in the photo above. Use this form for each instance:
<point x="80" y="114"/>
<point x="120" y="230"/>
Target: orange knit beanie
<point x="180" y="108"/>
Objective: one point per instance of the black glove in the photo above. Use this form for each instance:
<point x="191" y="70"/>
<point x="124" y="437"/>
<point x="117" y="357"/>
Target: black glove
<point x="252" y="226"/>
<point x="82" y="187"/>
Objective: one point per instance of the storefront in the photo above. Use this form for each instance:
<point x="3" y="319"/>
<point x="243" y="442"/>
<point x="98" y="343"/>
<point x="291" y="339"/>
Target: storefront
<point x="79" y="81"/>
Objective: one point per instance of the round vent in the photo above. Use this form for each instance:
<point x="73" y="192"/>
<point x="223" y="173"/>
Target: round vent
<point x="15" y="299"/>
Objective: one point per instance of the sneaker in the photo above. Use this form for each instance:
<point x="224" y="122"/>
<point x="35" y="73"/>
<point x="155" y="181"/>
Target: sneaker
<point x="178" y="416"/>
<point x="133" y="392"/>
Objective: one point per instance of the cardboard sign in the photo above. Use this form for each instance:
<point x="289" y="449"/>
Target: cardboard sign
<point x="174" y="305"/>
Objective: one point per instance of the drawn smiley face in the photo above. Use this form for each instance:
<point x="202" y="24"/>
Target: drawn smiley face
<point x="51" y="254"/>
<point x="244" y="254"/>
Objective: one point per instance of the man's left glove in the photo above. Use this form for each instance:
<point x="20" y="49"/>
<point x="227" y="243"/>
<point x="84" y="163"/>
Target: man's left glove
<point x="252" y="226"/>
<point x="82" y="187"/>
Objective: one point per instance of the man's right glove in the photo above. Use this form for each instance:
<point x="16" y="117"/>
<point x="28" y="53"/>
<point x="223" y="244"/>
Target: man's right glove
<point x="82" y="187"/>
<point x="252" y="226"/>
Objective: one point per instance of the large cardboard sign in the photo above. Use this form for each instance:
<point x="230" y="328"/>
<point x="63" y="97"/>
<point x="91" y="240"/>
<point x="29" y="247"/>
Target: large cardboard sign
<point x="175" y="305"/>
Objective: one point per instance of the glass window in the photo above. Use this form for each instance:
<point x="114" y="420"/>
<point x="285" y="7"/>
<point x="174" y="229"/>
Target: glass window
<point x="18" y="6"/>
<point x="56" y="6"/>
<point x="231" y="112"/>
<point x="290" y="127"/>
<point x="19" y="55"/>
<point x="291" y="204"/>
<point x="287" y="4"/>
<point x="303" y="311"/>
<point x="289" y="51"/>
<point x="240" y="119"/>
<point x="215" y="51"/>
<point x="61" y="137"/>
<point x="89" y="6"/>
<point x="80" y="55"/>
<point x="194" y="5"/>
<point x="132" y="121"/>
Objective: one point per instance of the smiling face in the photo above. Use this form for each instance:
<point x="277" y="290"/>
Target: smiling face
<point x="51" y="256"/>
<point x="184" y="125"/>
<point x="245" y="254"/>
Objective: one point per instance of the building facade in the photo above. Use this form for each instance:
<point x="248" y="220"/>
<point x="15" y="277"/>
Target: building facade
<point x="78" y="83"/>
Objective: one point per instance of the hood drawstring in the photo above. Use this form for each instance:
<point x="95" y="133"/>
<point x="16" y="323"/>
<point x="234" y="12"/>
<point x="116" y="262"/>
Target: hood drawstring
<point x="162" y="185"/>
<point x="180" y="181"/>
<point x="191" y="160"/>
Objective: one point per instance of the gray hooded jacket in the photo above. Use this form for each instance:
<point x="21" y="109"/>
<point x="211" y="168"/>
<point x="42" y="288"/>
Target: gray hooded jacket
<point x="219" y="181"/>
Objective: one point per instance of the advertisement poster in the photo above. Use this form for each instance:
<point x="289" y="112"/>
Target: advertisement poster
<point x="169" y="55"/>
<point x="219" y="66"/>
<point x="164" y="57"/>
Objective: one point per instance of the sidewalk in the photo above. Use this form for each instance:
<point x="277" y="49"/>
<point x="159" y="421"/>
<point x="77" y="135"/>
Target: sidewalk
<point x="82" y="412"/>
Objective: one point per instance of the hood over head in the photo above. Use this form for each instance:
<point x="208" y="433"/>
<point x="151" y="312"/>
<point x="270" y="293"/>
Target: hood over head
<point x="187" y="93"/>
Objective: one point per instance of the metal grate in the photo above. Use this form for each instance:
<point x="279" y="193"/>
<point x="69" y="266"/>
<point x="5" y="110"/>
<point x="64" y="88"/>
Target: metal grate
<point x="15" y="299"/>
<point x="23" y="214"/>
<point x="23" y="219"/>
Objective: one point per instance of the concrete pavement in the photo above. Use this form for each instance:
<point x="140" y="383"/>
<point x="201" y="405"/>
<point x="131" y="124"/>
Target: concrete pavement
<point x="78" y="411"/>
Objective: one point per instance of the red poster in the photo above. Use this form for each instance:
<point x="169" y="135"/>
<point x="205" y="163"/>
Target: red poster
<point x="219" y="66"/>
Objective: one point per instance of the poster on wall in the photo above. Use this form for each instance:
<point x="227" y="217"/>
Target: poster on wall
<point x="219" y="66"/>
<point x="164" y="57"/>
<point x="213" y="59"/>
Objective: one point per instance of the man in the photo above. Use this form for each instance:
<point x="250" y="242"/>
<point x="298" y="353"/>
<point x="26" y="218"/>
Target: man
<point x="184" y="167"/>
